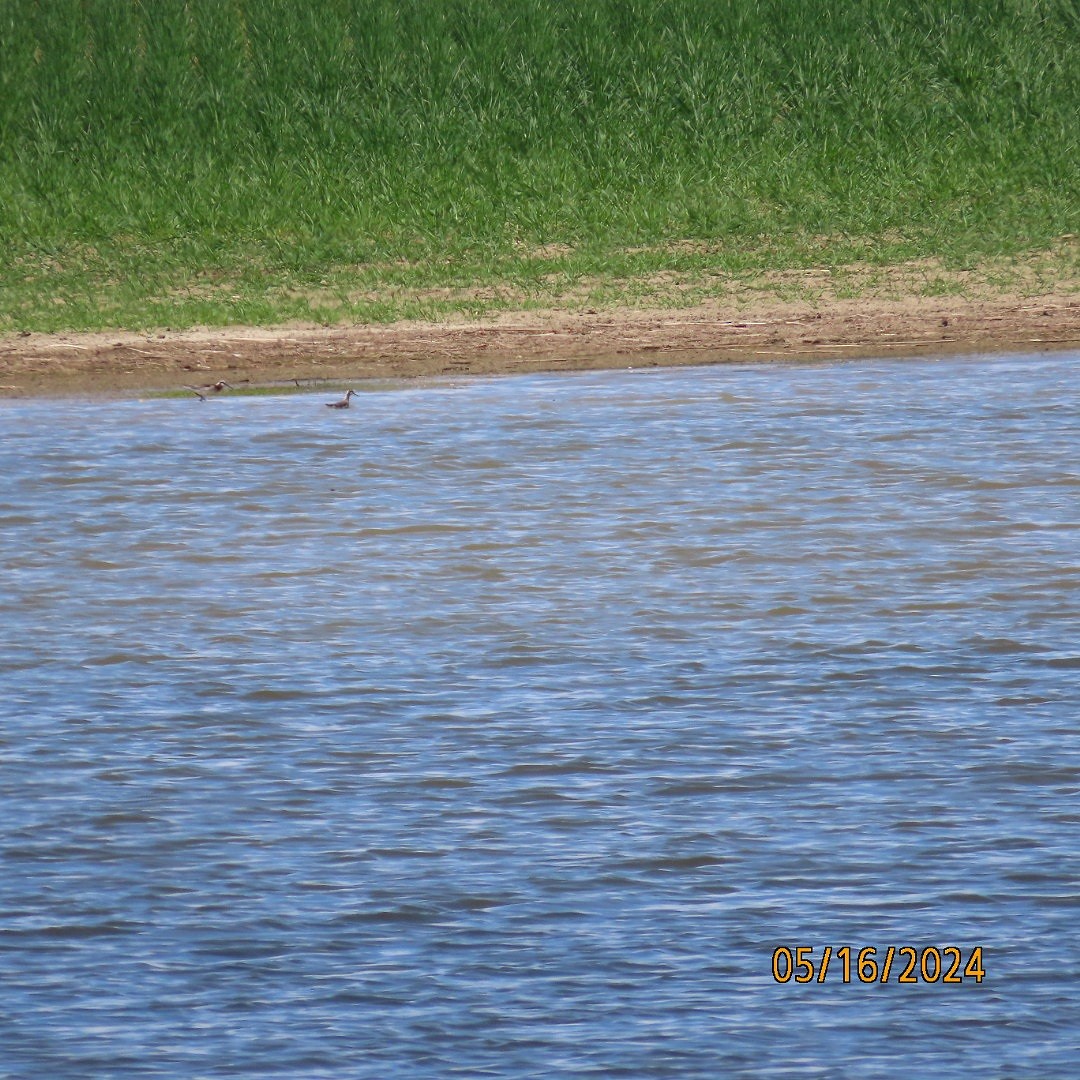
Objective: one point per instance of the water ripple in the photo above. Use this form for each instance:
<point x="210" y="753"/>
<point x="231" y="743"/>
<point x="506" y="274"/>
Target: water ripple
<point x="506" y="727"/>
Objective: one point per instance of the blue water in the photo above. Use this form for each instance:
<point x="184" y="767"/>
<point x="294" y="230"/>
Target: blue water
<point x="506" y="728"/>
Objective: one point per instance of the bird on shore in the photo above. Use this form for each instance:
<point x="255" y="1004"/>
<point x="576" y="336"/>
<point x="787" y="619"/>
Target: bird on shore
<point x="342" y="404"/>
<point x="210" y="388"/>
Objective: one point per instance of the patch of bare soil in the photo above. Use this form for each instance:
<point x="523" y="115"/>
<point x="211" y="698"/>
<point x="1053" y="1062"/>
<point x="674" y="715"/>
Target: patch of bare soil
<point x="754" y="329"/>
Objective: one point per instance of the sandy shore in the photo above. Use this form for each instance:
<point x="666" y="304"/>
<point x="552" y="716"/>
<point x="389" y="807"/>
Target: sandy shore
<point x="769" y="329"/>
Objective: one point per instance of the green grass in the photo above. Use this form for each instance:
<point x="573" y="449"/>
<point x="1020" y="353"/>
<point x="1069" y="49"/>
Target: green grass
<point x="172" y="162"/>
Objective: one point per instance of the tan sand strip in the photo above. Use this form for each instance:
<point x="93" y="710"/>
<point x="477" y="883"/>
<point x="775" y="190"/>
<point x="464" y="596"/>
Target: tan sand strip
<point x="558" y="340"/>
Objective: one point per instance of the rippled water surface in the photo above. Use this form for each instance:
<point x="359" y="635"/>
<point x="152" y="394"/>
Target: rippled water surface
<point x="507" y="728"/>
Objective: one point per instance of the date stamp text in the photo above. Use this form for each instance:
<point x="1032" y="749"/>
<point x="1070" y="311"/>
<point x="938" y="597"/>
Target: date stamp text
<point x="904" y="964"/>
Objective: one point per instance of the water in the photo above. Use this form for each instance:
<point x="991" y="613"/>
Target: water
<point x="507" y="728"/>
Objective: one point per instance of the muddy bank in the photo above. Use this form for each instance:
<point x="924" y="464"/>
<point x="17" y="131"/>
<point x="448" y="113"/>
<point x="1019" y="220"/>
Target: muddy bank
<point x="537" y="341"/>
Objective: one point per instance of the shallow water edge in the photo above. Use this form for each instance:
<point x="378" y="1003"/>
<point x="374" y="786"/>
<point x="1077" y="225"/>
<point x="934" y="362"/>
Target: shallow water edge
<point x="716" y="332"/>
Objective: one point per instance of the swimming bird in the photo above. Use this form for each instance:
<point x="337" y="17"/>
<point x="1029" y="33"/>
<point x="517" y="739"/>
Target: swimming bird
<point x="342" y="404"/>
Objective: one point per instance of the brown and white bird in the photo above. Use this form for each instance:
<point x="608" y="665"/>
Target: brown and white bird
<point x="210" y="388"/>
<point x="342" y="404"/>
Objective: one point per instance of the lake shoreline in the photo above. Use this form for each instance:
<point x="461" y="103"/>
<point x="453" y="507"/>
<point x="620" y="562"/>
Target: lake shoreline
<point x="766" y="329"/>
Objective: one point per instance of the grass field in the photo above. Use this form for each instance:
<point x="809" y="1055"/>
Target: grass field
<point x="174" y="162"/>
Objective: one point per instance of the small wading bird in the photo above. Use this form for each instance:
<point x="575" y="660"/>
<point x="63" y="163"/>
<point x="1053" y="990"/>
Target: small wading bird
<point x="215" y="388"/>
<point x="342" y="404"/>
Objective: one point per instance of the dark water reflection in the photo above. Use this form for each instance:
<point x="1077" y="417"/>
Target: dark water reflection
<point x="507" y="728"/>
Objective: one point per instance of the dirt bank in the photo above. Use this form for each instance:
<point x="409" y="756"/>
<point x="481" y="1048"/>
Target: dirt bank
<point x="767" y="329"/>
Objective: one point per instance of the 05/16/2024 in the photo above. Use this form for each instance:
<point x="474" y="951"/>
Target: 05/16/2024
<point x="904" y="964"/>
